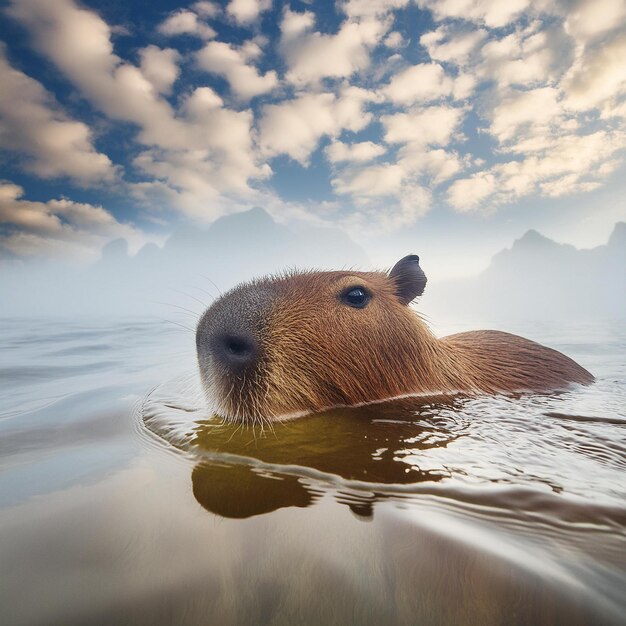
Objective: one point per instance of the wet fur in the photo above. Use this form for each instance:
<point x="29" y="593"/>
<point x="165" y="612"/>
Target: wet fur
<point x="319" y="353"/>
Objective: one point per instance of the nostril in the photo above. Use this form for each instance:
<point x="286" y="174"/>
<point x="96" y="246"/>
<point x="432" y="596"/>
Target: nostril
<point x="238" y="347"/>
<point x="232" y="349"/>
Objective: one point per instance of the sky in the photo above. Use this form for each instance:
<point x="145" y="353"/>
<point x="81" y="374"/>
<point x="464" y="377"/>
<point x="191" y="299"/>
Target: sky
<point x="450" y="125"/>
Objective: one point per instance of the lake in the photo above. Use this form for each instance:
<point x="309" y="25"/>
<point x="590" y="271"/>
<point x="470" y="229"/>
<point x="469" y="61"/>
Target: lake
<point x="122" y="501"/>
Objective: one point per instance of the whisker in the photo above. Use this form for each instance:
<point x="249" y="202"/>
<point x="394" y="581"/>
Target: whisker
<point x="191" y="330"/>
<point x="204" y="291"/>
<point x="214" y="285"/>
<point x="181" y="308"/>
<point x="188" y="295"/>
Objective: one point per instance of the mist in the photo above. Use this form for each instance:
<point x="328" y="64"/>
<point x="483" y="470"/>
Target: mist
<point x="536" y="278"/>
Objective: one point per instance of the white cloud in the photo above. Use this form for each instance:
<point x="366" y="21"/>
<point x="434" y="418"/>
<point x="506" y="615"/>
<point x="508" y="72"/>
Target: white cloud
<point x="294" y="24"/>
<point x="467" y="194"/>
<point x="160" y="67"/>
<point x="491" y="13"/>
<point x="232" y="63"/>
<point x="614" y="110"/>
<point x="311" y="56"/>
<point x="185" y="22"/>
<point x="360" y="152"/>
<point x="433" y="125"/>
<point x="33" y="124"/>
<point x="598" y="76"/>
<point x="295" y="127"/>
<point x="217" y="161"/>
<point x="540" y="79"/>
<point x="394" y="40"/>
<point x="78" y="42"/>
<point x="433" y="166"/>
<point x="529" y="112"/>
<point x="60" y="228"/>
<point x="386" y="200"/>
<point x="374" y="180"/>
<point x="451" y="44"/>
<point x="370" y="8"/>
<point x="527" y="57"/>
<point x="247" y="11"/>
<point x="213" y="142"/>
<point x="406" y="181"/>
<point x="568" y="164"/>
<point x="401" y="189"/>
<point x="587" y="19"/>
<point x="206" y="8"/>
<point x="424" y="82"/>
<point x="464" y="86"/>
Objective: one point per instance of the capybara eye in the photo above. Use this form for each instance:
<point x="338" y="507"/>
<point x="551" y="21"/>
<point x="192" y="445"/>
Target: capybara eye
<point x="356" y="297"/>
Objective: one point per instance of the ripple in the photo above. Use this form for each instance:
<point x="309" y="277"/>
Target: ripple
<point x="529" y="441"/>
<point x="535" y="480"/>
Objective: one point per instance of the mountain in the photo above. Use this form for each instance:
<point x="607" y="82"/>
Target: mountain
<point x="538" y="278"/>
<point x="535" y="279"/>
<point x="194" y="264"/>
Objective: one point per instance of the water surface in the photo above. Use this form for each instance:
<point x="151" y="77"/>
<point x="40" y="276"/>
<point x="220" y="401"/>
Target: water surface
<point x="122" y="501"/>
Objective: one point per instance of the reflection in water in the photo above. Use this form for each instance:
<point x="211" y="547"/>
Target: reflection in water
<point x="484" y="511"/>
<point x="505" y="446"/>
<point x="238" y="491"/>
<point x="374" y="444"/>
<point x="525" y="489"/>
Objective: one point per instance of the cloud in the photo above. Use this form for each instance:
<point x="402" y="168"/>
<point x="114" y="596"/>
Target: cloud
<point x="33" y="124"/>
<point x="433" y="125"/>
<point x="217" y="161"/>
<point x="160" y="67"/>
<point x="467" y="194"/>
<point x="565" y="165"/>
<point x="212" y="141"/>
<point x="386" y="200"/>
<point x="588" y="19"/>
<point x="294" y="24"/>
<point x="523" y="113"/>
<point x="394" y="40"/>
<point x="58" y="228"/>
<point x="206" y="8"/>
<point x="433" y="166"/>
<point x="491" y="13"/>
<point x="375" y="180"/>
<point x="424" y="82"/>
<point x="295" y="127"/>
<point x="401" y="187"/>
<point x="526" y="85"/>
<point x="185" y="22"/>
<point x="245" y="12"/>
<point x="232" y="63"/>
<point x="360" y="152"/>
<point x="311" y="56"/>
<point x="452" y="44"/>
<point x="78" y="42"/>
<point x="598" y="76"/>
<point x="370" y="8"/>
<point x="527" y="57"/>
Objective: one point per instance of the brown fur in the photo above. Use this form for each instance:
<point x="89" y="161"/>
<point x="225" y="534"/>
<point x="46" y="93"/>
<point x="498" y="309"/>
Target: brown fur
<point x="318" y="353"/>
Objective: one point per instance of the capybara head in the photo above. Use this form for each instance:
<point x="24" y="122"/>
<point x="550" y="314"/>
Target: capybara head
<point x="305" y="341"/>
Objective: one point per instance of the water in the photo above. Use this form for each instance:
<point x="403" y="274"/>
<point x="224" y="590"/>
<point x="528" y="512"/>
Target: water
<point x="122" y="501"/>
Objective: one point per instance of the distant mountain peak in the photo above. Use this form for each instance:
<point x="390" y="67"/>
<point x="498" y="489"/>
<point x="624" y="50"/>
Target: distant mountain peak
<point x="256" y="216"/>
<point x="533" y="239"/>
<point x="618" y="236"/>
<point x="115" y="250"/>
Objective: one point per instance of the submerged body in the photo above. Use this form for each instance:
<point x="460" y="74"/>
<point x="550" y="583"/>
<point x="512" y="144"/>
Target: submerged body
<point x="307" y="341"/>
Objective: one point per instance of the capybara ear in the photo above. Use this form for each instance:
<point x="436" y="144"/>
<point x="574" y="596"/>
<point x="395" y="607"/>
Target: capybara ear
<point x="409" y="278"/>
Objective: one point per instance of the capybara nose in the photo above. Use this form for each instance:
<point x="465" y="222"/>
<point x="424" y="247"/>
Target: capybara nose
<point x="235" y="350"/>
